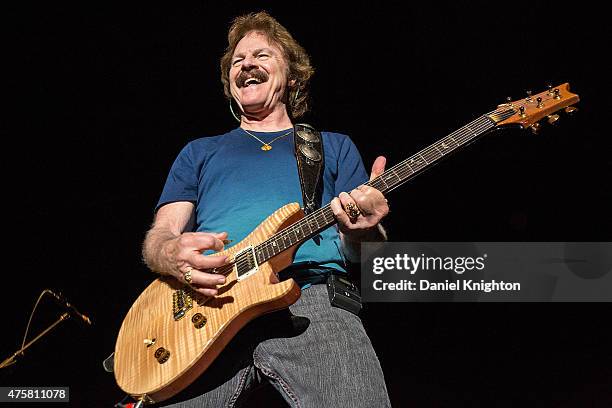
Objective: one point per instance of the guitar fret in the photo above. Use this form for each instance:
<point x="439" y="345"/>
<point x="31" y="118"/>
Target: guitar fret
<point x="259" y="255"/>
<point x="304" y="226"/>
<point x="406" y="171"/>
<point x="295" y="237"/>
<point x="471" y="130"/>
<point x="431" y="155"/>
<point x="276" y="248"/>
<point x="391" y="179"/>
<point x="446" y="145"/>
<point x="281" y="242"/>
<point x="415" y="163"/>
<point x="299" y="232"/>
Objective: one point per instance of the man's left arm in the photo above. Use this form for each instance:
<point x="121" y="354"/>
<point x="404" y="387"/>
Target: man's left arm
<point x="371" y="208"/>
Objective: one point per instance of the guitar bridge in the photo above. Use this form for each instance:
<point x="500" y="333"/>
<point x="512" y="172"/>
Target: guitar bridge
<point x="246" y="263"/>
<point x="182" y="301"/>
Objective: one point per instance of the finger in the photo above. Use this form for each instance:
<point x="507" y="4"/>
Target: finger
<point x="347" y="199"/>
<point x="350" y="207"/>
<point x="339" y="213"/>
<point x="200" y="261"/>
<point x="363" y="201"/>
<point x="378" y="167"/>
<point x="209" y="292"/>
<point x="206" y="240"/>
<point x="205" y="279"/>
<point x="222" y="236"/>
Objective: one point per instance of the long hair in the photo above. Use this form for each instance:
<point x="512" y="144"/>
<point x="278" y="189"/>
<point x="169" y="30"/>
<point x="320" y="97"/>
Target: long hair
<point x="298" y="62"/>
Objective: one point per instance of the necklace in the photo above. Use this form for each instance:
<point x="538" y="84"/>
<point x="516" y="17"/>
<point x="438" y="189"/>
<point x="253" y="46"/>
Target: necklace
<point x="267" y="146"/>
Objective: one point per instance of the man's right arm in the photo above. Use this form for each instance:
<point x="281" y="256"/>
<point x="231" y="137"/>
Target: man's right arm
<point x="169" y="250"/>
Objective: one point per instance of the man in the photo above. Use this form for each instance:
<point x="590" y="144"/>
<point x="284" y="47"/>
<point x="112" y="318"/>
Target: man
<point x="222" y="187"/>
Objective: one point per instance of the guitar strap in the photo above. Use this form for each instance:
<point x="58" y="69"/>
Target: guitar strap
<point x="310" y="159"/>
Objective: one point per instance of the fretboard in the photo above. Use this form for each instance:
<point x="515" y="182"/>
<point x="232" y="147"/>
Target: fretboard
<point x="317" y="221"/>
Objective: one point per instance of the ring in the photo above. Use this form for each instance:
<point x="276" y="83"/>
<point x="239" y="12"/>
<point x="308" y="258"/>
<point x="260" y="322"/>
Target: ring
<point x="187" y="275"/>
<point x="352" y="211"/>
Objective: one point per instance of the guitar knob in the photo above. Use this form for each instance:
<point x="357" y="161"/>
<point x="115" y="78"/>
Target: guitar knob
<point x="571" y="110"/>
<point x="552" y="119"/>
<point x="535" y="128"/>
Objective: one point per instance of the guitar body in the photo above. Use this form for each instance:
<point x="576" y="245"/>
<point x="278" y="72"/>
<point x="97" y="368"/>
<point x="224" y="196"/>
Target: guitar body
<point x="181" y="349"/>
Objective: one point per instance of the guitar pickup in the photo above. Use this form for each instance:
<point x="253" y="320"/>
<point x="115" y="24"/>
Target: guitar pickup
<point x="246" y="263"/>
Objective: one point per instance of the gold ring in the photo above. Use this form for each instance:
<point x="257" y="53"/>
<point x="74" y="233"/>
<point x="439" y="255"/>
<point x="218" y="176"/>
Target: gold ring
<point x="187" y="275"/>
<point x="352" y="211"/>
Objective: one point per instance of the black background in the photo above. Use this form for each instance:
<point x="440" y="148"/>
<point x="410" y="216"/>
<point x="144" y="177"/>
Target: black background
<point x="102" y="97"/>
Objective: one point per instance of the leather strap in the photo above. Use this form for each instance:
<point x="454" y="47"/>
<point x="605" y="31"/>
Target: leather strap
<point x="310" y="159"/>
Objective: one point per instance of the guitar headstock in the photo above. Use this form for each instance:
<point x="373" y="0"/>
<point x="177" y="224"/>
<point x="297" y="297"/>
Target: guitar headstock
<point x="528" y="111"/>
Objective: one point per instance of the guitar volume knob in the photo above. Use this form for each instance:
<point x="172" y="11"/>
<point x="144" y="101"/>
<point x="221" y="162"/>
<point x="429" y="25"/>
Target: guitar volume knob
<point x="198" y="320"/>
<point x="162" y="355"/>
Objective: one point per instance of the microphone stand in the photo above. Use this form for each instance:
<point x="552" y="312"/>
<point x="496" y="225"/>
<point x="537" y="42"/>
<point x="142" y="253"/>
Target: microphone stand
<point x="12" y="359"/>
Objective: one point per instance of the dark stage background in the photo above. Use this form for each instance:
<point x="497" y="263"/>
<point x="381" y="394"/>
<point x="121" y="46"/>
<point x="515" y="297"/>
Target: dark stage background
<point x="102" y="97"/>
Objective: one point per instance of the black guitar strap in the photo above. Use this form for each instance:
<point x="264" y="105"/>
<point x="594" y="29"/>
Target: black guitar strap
<point x="310" y="159"/>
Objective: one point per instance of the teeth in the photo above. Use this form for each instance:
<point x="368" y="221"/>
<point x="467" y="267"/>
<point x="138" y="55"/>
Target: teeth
<point x="251" y="81"/>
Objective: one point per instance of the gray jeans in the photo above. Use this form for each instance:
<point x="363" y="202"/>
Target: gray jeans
<point x="315" y="355"/>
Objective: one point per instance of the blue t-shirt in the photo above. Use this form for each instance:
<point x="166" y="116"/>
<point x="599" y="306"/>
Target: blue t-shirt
<point x="235" y="186"/>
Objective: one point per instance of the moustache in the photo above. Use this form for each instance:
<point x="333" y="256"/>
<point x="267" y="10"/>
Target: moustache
<point x="246" y="75"/>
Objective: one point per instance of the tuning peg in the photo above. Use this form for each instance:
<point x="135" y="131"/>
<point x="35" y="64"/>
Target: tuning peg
<point x="552" y="119"/>
<point x="529" y="98"/>
<point x="550" y="89"/>
<point x="571" y="110"/>
<point x="535" y="128"/>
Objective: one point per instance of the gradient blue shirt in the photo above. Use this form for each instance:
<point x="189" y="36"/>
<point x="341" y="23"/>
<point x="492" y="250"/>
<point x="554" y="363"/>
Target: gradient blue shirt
<point x="235" y="186"/>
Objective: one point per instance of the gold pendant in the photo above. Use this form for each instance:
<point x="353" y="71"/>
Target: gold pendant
<point x="266" y="147"/>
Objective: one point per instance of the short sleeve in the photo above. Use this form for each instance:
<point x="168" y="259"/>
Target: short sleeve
<point x="351" y="171"/>
<point x="182" y="181"/>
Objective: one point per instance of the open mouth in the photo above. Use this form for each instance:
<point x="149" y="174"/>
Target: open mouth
<point x="252" y="78"/>
<point x="252" y="81"/>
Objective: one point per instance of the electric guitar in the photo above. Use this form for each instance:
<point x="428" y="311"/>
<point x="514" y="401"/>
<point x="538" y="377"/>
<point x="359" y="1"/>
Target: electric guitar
<point x="172" y="334"/>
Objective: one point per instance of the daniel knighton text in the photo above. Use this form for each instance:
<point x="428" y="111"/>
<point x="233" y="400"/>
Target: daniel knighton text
<point x="413" y="264"/>
<point x="486" y="271"/>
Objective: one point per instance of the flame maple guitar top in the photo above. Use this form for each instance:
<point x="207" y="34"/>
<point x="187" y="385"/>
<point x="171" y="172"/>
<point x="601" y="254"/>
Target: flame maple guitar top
<point x="158" y="356"/>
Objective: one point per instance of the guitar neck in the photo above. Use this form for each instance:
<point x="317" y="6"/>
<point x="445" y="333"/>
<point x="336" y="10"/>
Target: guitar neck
<point x="392" y="178"/>
<point x="426" y="158"/>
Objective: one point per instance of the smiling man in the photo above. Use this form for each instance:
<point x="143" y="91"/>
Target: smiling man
<point x="221" y="187"/>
